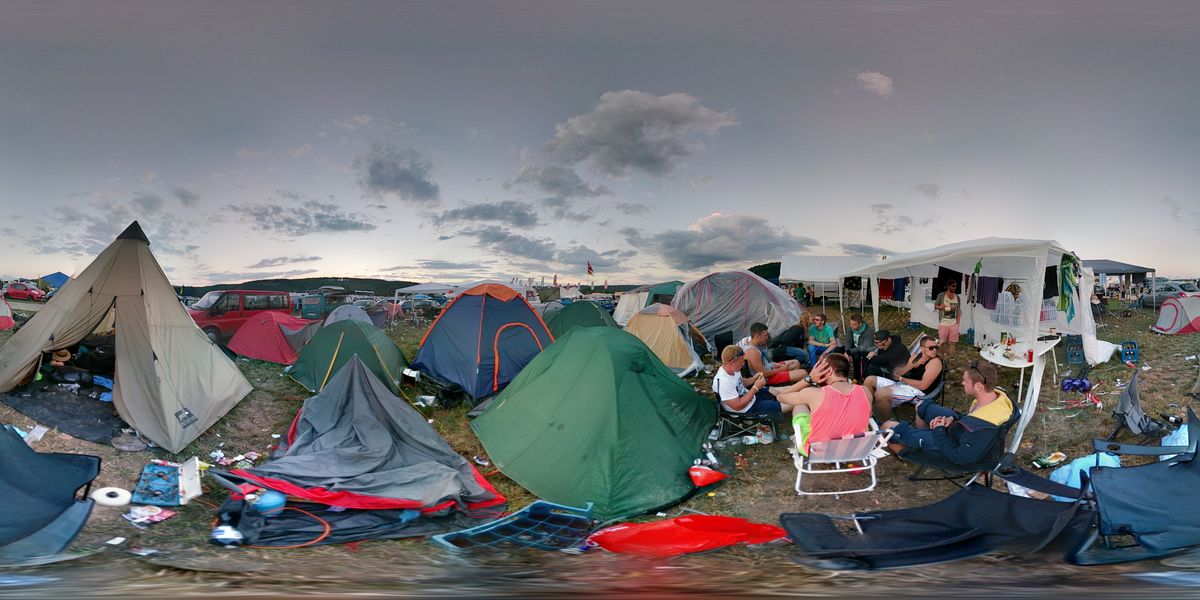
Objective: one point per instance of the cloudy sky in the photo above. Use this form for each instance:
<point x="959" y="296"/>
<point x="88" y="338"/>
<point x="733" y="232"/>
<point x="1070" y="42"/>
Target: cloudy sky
<point x="447" y="140"/>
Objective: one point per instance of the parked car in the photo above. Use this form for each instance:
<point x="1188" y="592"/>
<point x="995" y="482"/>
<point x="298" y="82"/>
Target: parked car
<point x="221" y="313"/>
<point x="18" y="290"/>
<point x="1167" y="289"/>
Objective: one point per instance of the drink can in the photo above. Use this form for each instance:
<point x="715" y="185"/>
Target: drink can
<point x="1029" y="355"/>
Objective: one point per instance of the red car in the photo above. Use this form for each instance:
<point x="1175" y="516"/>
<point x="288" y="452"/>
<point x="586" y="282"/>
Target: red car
<point x="24" y="291"/>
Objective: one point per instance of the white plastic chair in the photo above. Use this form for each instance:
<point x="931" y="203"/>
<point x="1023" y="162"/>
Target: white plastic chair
<point x="856" y="448"/>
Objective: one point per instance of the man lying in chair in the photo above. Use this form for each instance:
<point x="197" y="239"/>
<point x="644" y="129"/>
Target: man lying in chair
<point x="755" y="348"/>
<point x="961" y="439"/>
<point x="911" y="381"/>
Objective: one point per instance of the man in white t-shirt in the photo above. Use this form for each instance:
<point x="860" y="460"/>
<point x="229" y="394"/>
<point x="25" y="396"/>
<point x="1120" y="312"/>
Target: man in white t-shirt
<point x="732" y="391"/>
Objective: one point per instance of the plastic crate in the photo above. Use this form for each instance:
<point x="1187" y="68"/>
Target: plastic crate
<point x="543" y="525"/>
<point x="1130" y="351"/>
<point x="1074" y="346"/>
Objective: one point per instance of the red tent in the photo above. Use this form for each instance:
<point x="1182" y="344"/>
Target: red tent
<point x="273" y="337"/>
<point x="1179" y="315"/>
<point x="6" y="316"/>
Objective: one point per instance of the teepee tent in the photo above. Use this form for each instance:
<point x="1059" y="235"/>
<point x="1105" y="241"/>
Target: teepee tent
<point x="668" y="334"/>
<point x="273" y="336"/>
<point x="171" y="382"/>
<point x="1176" y="316"/>
<point x="597" y="418"/>
<point x="580" y="313"/>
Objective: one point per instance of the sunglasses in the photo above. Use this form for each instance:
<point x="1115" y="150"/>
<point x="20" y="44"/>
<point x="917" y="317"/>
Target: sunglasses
<point x="932" y="347"/>
<point x="974" y="366"/>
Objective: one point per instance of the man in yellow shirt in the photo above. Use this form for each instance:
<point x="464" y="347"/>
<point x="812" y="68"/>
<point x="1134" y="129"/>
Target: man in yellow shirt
<point x="962" y="439"/>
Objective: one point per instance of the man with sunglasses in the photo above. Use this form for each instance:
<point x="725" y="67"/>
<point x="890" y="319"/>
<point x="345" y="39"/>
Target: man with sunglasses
<point x="912" y="380"/>
<point x="962" y="439"/>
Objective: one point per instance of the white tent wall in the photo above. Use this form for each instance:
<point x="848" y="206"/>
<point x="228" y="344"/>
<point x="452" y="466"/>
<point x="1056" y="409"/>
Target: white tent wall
<point x="629" y="305"/>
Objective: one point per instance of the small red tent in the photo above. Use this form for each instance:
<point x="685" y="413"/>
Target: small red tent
<point x="6" y="316"/>
<point x="1178" y="315"/>
<point x="273" y="337"/>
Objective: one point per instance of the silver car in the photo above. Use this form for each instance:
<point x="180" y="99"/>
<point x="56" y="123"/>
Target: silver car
<point x="1167" y="289"/>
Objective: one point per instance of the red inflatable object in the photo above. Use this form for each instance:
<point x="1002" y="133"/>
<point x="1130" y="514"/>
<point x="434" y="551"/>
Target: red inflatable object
<point x="684" y="535"/>
<point x="702" y="476"/>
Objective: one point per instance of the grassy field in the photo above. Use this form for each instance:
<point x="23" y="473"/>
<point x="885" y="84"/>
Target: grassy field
<point x="762" y="485"/>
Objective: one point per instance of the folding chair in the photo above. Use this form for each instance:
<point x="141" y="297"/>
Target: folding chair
<point x="43" y="509"/>
<point x="1129" y="413"/>
<point x="951" y="471"/>
<point x="732" y="425"/>
<point x="857" y="448"/>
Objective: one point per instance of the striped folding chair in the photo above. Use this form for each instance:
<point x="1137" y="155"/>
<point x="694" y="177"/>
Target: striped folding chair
<point x="857" y="448"/>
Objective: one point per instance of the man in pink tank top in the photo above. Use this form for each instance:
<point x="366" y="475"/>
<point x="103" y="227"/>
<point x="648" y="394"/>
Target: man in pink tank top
<point x="827" y="405"/>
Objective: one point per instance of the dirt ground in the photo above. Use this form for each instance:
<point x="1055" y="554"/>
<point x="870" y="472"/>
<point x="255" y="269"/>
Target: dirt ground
<point x="761" y="488"/>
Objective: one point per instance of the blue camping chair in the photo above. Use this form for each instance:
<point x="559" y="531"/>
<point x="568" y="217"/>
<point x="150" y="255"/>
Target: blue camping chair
<point x="42" y="512"/>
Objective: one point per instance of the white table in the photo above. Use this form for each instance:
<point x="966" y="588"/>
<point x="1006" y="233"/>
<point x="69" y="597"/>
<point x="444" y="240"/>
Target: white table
<point x="995" y="355"/>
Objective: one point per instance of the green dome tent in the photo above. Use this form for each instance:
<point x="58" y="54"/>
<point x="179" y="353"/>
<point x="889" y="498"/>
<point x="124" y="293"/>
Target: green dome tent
<point x="332" y="347"/>
<point x="580" y="313"/>
<point x="596" y="417"/>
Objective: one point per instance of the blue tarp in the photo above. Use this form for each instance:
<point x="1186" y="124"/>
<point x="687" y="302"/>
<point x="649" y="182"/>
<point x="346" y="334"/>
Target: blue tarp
<point x="56" y="279"/>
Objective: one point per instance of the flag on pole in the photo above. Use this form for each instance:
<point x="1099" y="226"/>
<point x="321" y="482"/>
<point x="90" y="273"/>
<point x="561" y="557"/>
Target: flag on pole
<point x="591" y="271"/>
<point x="556" y="280"/>
<point x="606" y="285"/>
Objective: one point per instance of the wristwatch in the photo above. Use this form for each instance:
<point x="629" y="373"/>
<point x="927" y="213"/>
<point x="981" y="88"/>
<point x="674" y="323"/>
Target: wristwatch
<point x="809" y="380"/>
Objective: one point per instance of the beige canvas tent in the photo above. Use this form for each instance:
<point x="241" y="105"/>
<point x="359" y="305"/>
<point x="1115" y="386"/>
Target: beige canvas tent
<point x="171" y="382"/>
<point x="669" y="335"/>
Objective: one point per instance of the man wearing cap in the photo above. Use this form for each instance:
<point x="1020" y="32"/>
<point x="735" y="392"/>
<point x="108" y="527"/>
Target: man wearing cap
<point x="732" y="391"/>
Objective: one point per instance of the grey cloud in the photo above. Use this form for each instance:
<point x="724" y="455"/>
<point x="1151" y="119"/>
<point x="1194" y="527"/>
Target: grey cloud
<point x="517" y="214"/>
<point x="387" y="171"/>
<point x="929" y="190"/>
<point x="369" y="124"/>
<point x="501" y="240"/>
<point x="446" y="265"/>
<point x="718" y="239"/>
<point x="888" y="223"/>
<point x="239" y="276"/>
<point x="300" y="218"/>
<point x="634" y="237"/>
<point x="147" y="203"/>
<point x="187" y="197"/>
<point x="87" y="229"/>
<point x="556" y="180"/>
<point x="633" y="208"/>
<point x="581" y="255"/>
<point x="863" y="250"/>
<point x="632" y="130"/>
<point x="279" y="261"/>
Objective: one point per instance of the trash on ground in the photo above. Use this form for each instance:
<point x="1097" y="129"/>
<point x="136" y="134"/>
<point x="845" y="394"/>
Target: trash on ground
<point x="542" y="525"/>
<point x="111" y="496"/>
<point x="144" y="516"/>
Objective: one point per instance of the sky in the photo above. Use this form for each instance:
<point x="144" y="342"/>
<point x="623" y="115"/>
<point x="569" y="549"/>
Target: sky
<point x="656" y="139"/>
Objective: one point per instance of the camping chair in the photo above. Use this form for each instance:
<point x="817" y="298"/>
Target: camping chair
<point x="734" y="425"/>
<point x="857" y="448"/>
<point x="1129" y="413"/>
<point x="42" y="511"/>
<point x="951" y="471"/>
<point x="1142" y="511"/>
<point x="973" y="521"/>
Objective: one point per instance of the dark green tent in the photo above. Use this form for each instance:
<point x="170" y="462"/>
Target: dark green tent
<point x="596" y="417"/>
<point x="332" y="347"/>
<point x="579" y="313"/>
